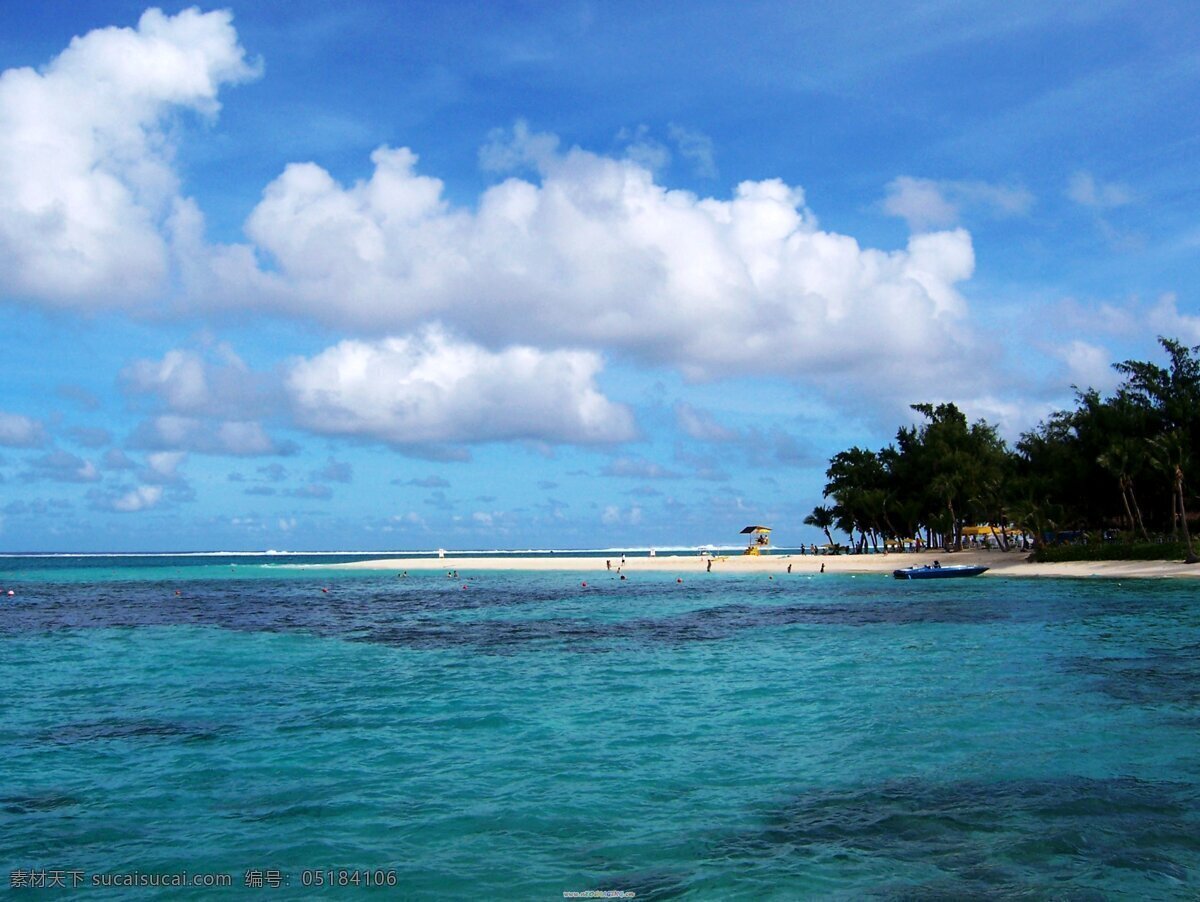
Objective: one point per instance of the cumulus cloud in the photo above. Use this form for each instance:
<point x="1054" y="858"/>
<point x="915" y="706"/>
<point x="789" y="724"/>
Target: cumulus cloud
<point x="429" y="388"/>
<point x="509" y="150"/>
<point x="1089" y="365"/>
<point x="589" y="253"/>
<point x="927" y="204"/>
<point x="774" y="444"/>
<point x="86" y="181"/>
<point x="702" y="425"/>
<point x="1011" y="418"/>
<point x="596" y="254"/>
<point x="62" y="466"/>
<point x="18" y="431"/>
<point x="162" y="468"/>
<point x="175" y="433"/>
<point x="140" y="498"/>
<point x="920" y="202"/>
<point x="614" y="515"/>
<point x="644" y="149"/>
<point x="214" y="382"/>
<point x="1166" y="319"/>
<point x="210" y="401"/>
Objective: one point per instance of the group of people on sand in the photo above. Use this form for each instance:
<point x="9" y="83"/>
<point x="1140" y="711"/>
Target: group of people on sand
<point x="608" y="564"/>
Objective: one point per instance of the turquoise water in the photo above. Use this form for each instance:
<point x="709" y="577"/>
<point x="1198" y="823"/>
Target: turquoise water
<point x="724" y="737"/>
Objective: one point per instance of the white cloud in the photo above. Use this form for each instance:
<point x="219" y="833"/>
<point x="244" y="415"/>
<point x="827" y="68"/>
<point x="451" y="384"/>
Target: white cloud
<point x="1011" y="418"/>
<point x="427" y="389"/>
<point x="162" y="467"/>
<point x="17" y="431"/>
<point x="519" y="148"/>
<point x="775" y="444"/>
<point x="1089" y="365"/>
<point x="1086" y="191"/>
<point x="696" y="147"/>
<point x="208" y="401"/>
<point x="1168" y="322"/>
<point x="592" y="253"/>
<point x="137" y="499"/>
<point x="644" y="149"/>
<point x="701" y="425"/>
<point x="85" y="155"/>
<point x="179" y="379"/>
<point x="169" y="432"/>
<point x="214" y="382"/>
<point x="613" y="515"/>
<point x="484" y="518"/>
<point x="637" y="468"/>
<point x="598" y="255"/>
<point x="926" y="204"/>
<point x="920" y="202"/>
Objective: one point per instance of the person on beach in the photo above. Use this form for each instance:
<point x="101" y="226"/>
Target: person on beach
<point x="789" y="568"/>
<point x="608" y="565"/>
<point x="709" y="568"/>
<point x="822" y="568"/>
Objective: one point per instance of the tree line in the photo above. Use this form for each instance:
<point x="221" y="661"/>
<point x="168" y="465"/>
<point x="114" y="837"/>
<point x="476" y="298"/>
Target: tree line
<point x="1110" y="464"/>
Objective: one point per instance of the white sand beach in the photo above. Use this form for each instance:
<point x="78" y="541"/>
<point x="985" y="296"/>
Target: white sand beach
<point x="1000" y="564"/>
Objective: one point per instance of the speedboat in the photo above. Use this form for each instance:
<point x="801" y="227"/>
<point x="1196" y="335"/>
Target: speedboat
<point x="937" y="571"/>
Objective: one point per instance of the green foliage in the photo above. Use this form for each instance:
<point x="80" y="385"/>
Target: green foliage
<point x="1111" y="551"/>
<point x="1116" y="462"/>
<point x="823" y="518"/>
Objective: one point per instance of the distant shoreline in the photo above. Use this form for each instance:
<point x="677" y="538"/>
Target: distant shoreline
<point x="999" y="563"/>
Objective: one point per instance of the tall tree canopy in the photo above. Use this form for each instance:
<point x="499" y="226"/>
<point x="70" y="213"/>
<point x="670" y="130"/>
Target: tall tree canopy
<point x="1122" y="461"/>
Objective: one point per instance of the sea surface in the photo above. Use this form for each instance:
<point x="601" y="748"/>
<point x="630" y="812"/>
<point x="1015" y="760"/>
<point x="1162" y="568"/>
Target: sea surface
<point x="521" y="735"/>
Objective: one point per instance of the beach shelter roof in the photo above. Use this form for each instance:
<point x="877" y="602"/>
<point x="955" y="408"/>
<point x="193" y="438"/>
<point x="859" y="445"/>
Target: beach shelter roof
<point x="987" y="530"/>
<point x="756" y="529"/>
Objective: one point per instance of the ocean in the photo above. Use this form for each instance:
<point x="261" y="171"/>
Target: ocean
<point x="277" y="725"/>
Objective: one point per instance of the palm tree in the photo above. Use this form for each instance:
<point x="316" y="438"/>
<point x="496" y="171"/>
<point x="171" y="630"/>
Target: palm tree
<point x="1169" y="453"/>
<point x="822" y="518"/>
<point x="1119" y="460"/>
<point x="1037" y="517"/>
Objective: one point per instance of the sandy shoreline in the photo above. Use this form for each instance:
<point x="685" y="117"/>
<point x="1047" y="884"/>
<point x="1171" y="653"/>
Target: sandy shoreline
<point x="1000" y="564"/>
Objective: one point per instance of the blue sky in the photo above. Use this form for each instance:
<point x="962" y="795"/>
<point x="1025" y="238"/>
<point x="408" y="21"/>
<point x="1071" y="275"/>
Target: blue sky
<point x="505" y="275"/>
